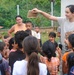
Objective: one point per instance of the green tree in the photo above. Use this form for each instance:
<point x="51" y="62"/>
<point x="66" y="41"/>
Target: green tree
<point x="8" y="11"/>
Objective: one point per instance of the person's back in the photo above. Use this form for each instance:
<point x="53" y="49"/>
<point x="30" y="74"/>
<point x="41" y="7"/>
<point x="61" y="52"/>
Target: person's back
<point x="14" y="56"/>
<point x="31" y="64"/>
<point x="18" y="54"/>
<point x="23" y="68"/>
<point x="52" y="65"/>
<point x="52" y="62"/>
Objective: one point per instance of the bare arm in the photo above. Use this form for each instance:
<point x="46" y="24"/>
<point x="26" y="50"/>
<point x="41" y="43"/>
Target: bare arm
<point x="7" y="73"/>
<point x="64" y="67"/>
<point x="48" y="16"/>
<point x="10" y="31"/>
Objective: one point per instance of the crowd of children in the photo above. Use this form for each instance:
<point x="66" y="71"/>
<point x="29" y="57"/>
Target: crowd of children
<point x="24" y="54"/>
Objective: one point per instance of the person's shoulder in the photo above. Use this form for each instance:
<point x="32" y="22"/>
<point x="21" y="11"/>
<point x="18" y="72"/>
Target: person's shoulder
<point x="55" y="59"/>
<point x="14" y="25"/>
<point x="12" y="54"/>
<point x="4" y="61"/>
<point x="42" y="65"/>
<point x="24" y="24"/>
<point x="43" y="69"/>
<point x="65" y="55"/>
<point x="61" y="17"/>
<point x="20" y="63"/>
<point x="33" y="31"/>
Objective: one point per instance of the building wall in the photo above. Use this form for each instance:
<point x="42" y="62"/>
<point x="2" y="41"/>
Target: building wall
<point x="64" y="3"/>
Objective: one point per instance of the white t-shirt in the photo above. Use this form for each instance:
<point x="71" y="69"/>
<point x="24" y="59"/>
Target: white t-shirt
<point x="20" y="68"/>
<point x="38" y="35"/>
<point x="33" y="33"/>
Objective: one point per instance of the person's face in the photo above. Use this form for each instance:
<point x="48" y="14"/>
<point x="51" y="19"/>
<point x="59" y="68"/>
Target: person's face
<point x="68" y="13"/>
<point x="29" y="26"/>
<point x="58" y="34"/>
<point x="19" y="20"/>
<point x="36" y="29"/>
<point x="52" y="39"/>
<point x="68" y="44"/>
<point x="15" y="46"/>
<point x="6" y="41"/>
<point x="3" y="52"/>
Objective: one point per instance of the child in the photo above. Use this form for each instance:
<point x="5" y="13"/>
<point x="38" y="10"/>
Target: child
<point x="6" y="51"/>
<point x="70" y="45"/>
<point x="38" y="35"/>
<point x="30" y="65"/>
<point x="52" y="36"/>
<point x="70" y="63"/>
<point x="29" y="26"/>
<point x="18" y="54"/>
<point x="28" y="31"/>
<point x="4" y="67"/>
<point x="12" y="45"/>
<point x="50" y="60"/>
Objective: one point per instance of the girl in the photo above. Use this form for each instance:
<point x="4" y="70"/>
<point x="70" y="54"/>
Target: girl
<point x="30" y="65"/>
<point x="50" y="58"/>
<point x="70" y="63"/>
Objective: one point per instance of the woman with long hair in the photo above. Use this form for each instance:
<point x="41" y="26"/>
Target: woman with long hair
<point x="30" y="65"/>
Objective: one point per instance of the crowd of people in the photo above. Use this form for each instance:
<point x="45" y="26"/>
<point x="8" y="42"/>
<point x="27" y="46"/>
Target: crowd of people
<point x="24" y="54"/>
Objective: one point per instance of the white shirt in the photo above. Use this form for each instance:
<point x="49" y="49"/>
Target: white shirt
<point x="33" y="33"/>
<point x="20" y="68"/>
<point x="38" y="35"/>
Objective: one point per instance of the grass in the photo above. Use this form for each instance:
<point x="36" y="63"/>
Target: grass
<point x="44" y="37"/>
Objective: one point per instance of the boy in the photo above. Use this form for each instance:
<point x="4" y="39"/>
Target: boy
<point x="4" y="67"/>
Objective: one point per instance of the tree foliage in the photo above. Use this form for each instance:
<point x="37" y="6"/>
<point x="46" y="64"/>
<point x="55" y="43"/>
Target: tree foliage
<point x="8" y="11"/>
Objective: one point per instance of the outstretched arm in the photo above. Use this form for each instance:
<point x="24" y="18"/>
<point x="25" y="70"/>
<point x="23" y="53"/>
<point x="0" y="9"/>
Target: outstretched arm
<point x="48" y="16"/>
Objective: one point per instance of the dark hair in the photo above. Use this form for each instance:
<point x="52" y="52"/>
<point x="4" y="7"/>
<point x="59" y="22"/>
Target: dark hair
<point x="30" y="46"/>
<point x="30" y="22"/>
<point x="71" y="40"/>
<point x="49" y="49"/>
<point x="11" y="41"/>
<point x="18" y="16"/>
<point x="70" y="60"/>
<point x="19" y="36"/>
<point x="2" y="45"/>
<point x="28" y="31"/>
<point x="52" y="34"/>
<point x="71" y="7"/>
<point x="6" y="36"/>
